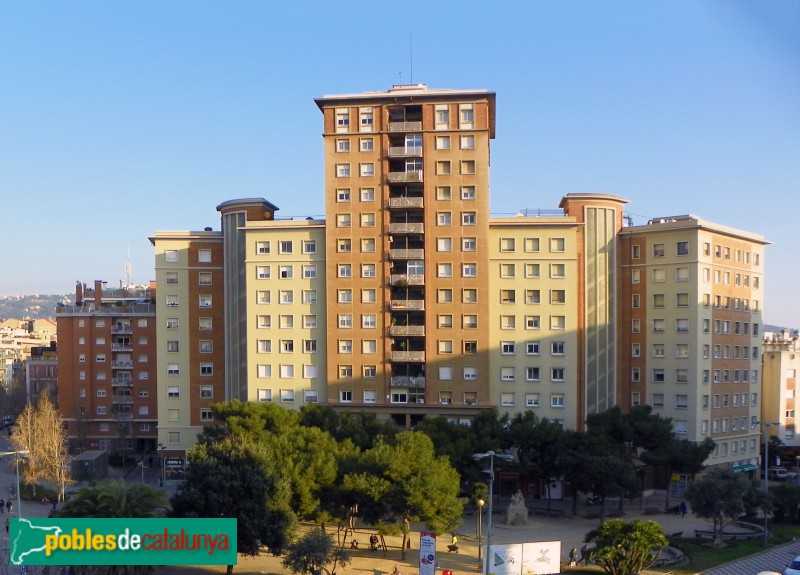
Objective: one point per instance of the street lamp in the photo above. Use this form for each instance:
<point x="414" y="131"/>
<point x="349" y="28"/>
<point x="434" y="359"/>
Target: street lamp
<point x="480" y="503"/>
<point x="161" y="449"/>
<point x="766" y="424"/>
<point x="489" y="531"/>
<point x="17" y="455"/>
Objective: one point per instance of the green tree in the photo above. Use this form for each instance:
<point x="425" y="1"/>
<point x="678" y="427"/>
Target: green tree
<point x="313" y="553"/>
<point x="718" y="495"/>
<point x="360" y="428"/>
<point x="786" y="503"/>
<point x="539" y="447"/>
<point x="403" y="478"/>
<point x="626" y="548"/>
<point x="115" y="499"/>
<point x="238" y="477"/>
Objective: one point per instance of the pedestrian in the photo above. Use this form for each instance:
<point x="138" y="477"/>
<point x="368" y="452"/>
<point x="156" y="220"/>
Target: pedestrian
<point x="2" y="505"/>
<point x="573" y="557"/>
<point x="683" y="509"/>
<point x="585" y="554"/>
<point x="150" y="461"/>
<point x="7" y="524"/>
<point x="9" y="506"/>
<point x="54" y="502"/>
<point x="453" y="547"/>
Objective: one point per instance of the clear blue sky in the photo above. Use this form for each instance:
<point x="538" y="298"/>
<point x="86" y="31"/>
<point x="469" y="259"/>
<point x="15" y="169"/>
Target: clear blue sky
<point x="118" y="119"/>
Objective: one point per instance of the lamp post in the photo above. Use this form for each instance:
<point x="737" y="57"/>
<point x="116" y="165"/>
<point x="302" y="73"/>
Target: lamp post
<point x="766" y="424"/>
<point x="17" y="455"/>
<point x="161" y="449"/>
<point x="489" y="530"/>
<point x="480" y="503"/>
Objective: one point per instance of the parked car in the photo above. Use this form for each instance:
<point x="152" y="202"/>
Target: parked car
<point x="778" y="474"/>
<point x="793" y="568"/>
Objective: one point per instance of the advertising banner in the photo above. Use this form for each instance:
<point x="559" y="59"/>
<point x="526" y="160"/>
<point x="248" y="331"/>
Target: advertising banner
<point x="427" y="553"/>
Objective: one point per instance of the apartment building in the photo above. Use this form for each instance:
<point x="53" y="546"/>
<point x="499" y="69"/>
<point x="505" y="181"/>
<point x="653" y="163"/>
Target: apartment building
<point x="690" y="330"/>
<point x="780" y="364"/>
<point x="107" y="368"/>
<point x="189" y="333"/>
<point x="409" y="300"/>
<point x="41" y="373"/>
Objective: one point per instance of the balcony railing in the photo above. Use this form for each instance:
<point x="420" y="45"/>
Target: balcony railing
<point x="122" y="399"/>
<point x="406" y="330"/>
<point x="406" y="381"/>
<point x="89" y="309"/>
<point x="407" y="279"/>
<point x="405" y="126"/>
<point x="121" y="329"/>
<point x="407" y="176"/>
<point x="418" y="304"/>
<point x="121" y="347"/>
<point x="408" y="356"/>
<point x="412" y="254"/>
<point x="121" y="382"/>
<point x="121" y="365"/>
<point x="407" y="228"/>
<point x="405" y="203"/>
<point x="405" y="151"/>
<point x="125" y="416"/>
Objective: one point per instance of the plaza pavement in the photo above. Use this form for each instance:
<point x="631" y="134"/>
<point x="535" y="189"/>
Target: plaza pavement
<point x="568" y="529"/>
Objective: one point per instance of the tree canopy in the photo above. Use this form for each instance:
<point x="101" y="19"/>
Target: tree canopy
<point x="626" y="548"/>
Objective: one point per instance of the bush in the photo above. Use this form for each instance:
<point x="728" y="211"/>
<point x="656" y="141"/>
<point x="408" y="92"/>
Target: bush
<point x="26" y="492"/>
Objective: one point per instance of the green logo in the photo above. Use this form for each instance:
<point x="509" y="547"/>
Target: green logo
<point x="123" y="541"/>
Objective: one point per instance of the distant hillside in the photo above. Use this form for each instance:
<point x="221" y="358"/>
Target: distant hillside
<point x="31" y="306"/>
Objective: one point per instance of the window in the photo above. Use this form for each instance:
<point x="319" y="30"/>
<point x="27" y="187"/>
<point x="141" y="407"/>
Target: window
<point x="658" y="250"/>
<point x="343" y="195"/>
<point x="343" y="220"/>
<point x="557" y="400"/>
<point x="445" y="372"/>
<point x="286" y="371"/>
<point x="635" y="276"/>
<point x="558" y="296"/>
<point x="531" y="244"/>
<point x="532" y="270"/>
<point x="206" y="415"/>
<point x="442" y="117"/>
<point x="506" y="244"/>
<point x="507" y="374"/>
<point x="368" y="321"/>
<point x="310" y="296"/>
<point x="508" y="296"/>
<point x="264" y="395"/>
<point x="443" y="219"/>
<point x="508" y="347"/>
<point x="557" y="270"/>
<point x="342" y="120"/>
<point x="468" y="142"/>
<point x="171" y="278"/>
<point x="532" y="296"/>
<point x="635" y="325"/>
<point x="682" y="300"/>
<point x="681" y="376"/>
<point x="469" y="295"/>
<point x="263" y="371"/>
<point x="206" y="369"/>
<point x="262" y="272"/>
<point x="469" y="321"/>
<point x="443" y="193"/>
<point x="469" y="244"/>
<point x="445" y="346"/>
<point x="343" y="171"/>
<point x="636" y="251"/>
<point x="365" y="119"/>
<point x="344" y="270"/>
<point x="468" y="166"/>
<point x="557" y="347"/>
<point x="470" y="373"/>
<point x="682" y="350"/>
<point x="531" y="400"/>
<point x="443" y="167"/>
<point x="367" y="169"/>
<point x="264" y="346"/>
<point x="635" y="299"/>
<point x="172" y="346"/>
<point x="173" y="391"/>
<point x="658" y="326"/>
<point x="444" y="270"/>
<point x="508" y="322"/>
<point x="682" y="325"/>
<point x="469" y="270"/>
<point x="444" y="244"/>
<point x="658" y="350"/>
<point x="204" y="278"/>
<point x="659" y="275"/>
<point x="342" y="145"/>
<point x="204" y="301"/>
<point x="466" y="117"/>
<point x="205" y="324"/>
<point x="658" y="400"/>
<point x="658" y="375"/>
<point x="532" y="322"/>
<point x="532" y="348"/>
<point x="171" y="301"/>
<point x="658" y="300"/>
<point x="345" y="321"/>
<point x="532" y="374"/>
<point x="367" y="270"/>
<point x="445" y="321"/>
<point x="468" y="218"/>
<point x="442" y="142"/>
<point x="557" y="245"/>
<point x="468" y="193"/>
<point x="172" y="323"/>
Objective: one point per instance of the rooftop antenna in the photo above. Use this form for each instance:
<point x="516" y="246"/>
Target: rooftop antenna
<point x="128" y="269"/>
<point x="411" y="55"/>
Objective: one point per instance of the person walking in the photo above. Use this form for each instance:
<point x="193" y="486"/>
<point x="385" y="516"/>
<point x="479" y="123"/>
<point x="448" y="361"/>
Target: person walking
<point x="2" y="505"/>
<point x="573" y="557"/>
<point x="683" y="508"/>
<point x="585" y="554"/>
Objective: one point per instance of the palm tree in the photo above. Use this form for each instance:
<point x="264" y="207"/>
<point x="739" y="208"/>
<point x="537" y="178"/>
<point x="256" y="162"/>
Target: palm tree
<point x="115" y="499"/>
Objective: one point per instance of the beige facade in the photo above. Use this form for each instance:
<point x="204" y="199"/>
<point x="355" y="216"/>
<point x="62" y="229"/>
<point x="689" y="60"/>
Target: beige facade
<point x="692" y="323"/>
<point x="780" y="364"/>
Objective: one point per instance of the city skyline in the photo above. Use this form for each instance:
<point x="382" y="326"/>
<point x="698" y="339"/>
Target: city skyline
<point x="120" y="122"/>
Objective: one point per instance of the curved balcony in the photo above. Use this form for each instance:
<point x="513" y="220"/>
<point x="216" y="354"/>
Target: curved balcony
<point x="406" y="176"/>
<point x="407" y="381"/>
<point x="406" y="202"/>
<point x="403" y="254"/>
<point x="405" y="151"/>
<point x="407" y="228"/>
<point x="407" y="356"/>
<point x="406" y="330"/>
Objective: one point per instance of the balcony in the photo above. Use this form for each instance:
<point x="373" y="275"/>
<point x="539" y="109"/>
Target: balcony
<point x="413" y="254"/>
<point x="121" y="381"/>
<point x="121" y="365"/>
<point x="407" y="279"/>
<point x="414" y="304"/>
<point x="124" y="399"/>
<point x="121" y="329"/>
<point x="406" y="203"/>
<point x="121" y="347"/>
<point x="415" y="228"/>
<point x="405" y="151"/>
<point x="405" y="126"/>
<point x="123" y="416"/>
<point x="407" y="356"/>
<point x="407" y="381"/>
<point x="407" y="330"/>
<point x="407" y="176"/>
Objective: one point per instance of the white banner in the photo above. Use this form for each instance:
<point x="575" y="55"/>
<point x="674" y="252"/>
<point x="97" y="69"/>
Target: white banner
<point x="539" y="558"/>
<point x="427" y="553"/>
